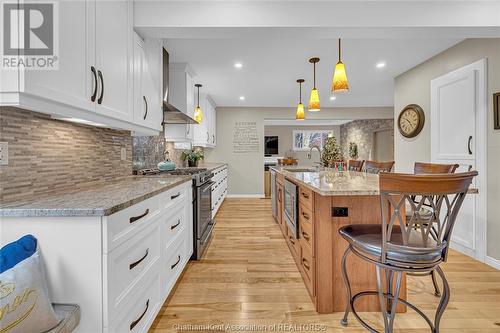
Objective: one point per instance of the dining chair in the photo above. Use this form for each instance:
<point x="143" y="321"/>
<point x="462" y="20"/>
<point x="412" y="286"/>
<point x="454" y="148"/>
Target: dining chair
<point x="429" y="168"/>
<point x="377" y="167"/>
<point x="396" y="247"/>
<point x="355" y="165"/>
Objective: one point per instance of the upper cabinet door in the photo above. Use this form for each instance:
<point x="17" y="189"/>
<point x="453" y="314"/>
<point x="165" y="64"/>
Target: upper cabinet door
<point x="152" y="83"/>
<point x="114" y="58"/>
<point x="74" y="82"/>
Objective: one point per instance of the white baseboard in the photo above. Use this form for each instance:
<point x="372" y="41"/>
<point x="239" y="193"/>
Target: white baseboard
<point x="247" y="196"/>
<point x="495" y="263"/>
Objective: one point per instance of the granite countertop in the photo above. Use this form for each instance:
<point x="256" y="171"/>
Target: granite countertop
<point x="211" y="166"/>
<point x="333" y="182"/>
<point x="97" y="200"/>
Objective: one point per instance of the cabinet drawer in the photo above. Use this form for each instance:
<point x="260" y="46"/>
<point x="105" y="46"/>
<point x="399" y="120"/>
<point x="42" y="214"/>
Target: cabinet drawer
<point x="306" y="197"/>
<point x="294" y="245"/>
<point x="128" y="263"/>
<point x="123" y="225"/>
<point x="174" y="223"/>
<point x="142" y="307"/>
<point x="175" y="196"/>
<point x="307" y="267"/>
<point x="305" y="228"/>
<point x="177" y="255"/>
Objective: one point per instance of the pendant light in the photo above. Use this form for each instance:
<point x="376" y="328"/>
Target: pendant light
<point x="314" y="99"/>
<point x="299" y="115"/>
<point x="198" y="114"/>
<point x="339" y="81"/>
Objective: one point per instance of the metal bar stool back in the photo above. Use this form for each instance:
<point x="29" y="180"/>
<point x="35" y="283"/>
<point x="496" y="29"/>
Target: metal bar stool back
<point x="397" y="247"/>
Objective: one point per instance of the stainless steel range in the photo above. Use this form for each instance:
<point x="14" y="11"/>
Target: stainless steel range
<point x="203" y="223"/>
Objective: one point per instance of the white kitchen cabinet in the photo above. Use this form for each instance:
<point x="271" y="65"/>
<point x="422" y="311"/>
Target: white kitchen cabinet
<point x="219" y="188"/>
<point x="119" y="268"/>
<point x="182" y="96"/>
<point x="204" y="133"/>
<point x="147" y="100"/>
<point x="93" y="83"/>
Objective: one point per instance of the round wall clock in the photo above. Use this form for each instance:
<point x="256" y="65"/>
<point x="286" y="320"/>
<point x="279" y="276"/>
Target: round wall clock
<point x="411" y="121"/>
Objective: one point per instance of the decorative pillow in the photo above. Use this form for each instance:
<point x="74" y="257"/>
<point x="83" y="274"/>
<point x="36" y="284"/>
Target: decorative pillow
<point x="24" y="303"/>
<point x="15" y="252"/>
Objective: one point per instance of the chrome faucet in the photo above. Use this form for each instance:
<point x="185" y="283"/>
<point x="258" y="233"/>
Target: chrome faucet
<point x="309" y="155"/>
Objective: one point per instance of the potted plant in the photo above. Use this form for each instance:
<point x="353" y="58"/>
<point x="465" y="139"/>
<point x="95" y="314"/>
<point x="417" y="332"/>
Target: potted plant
<point x="192" y="157"/>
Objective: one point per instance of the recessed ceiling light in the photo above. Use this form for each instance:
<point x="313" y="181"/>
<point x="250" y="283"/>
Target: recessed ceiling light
<point x="242" y="98"/>
<point x="380" y="64"/>
<point x="332" y="98"/>
<point x="238" y="65"/>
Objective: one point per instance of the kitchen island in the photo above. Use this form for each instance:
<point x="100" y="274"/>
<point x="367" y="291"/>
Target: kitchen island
<point x="326" y="201"/>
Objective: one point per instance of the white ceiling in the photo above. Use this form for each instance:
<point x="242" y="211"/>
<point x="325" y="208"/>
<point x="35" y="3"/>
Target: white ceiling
<point x="271" y="67"/>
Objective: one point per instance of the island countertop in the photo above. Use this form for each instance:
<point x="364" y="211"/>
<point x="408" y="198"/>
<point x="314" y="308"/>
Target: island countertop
<point x="96" y="200"/>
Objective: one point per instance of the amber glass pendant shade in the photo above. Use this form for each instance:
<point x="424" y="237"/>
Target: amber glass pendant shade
<point x="339" y="81"/>
<point x="314" y="105"/>
<point x="198" y="114"/>
<point x="300" y="114"/>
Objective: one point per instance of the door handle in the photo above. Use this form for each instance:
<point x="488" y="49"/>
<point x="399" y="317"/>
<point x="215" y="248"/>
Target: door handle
<point x="94" y="74"/>
<point x="132" y="265"/>
<point x="469" y="146"/>
<point x="135" y="322"/>
<point x="99" y="73"/>
<point x="213" y="138"/>
<point x="146" y="105"/>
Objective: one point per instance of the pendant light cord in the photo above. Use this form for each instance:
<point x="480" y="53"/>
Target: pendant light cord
<point x="300" y="92"/>
<point x="198" y="97"/>
<point x="314" y="75"/>
<point x="339" y="50"/>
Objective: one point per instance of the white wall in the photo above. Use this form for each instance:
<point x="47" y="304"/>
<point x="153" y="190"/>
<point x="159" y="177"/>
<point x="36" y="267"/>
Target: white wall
<point x="246" y="170"/>
<point x="414" y="87"/>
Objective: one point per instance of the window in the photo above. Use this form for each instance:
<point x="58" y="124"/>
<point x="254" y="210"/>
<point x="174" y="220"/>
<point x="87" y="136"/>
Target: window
<point x="304" y="140"/>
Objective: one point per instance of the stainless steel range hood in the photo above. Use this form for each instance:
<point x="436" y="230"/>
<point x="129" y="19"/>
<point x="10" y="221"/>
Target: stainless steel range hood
<point x="171" y="114"/>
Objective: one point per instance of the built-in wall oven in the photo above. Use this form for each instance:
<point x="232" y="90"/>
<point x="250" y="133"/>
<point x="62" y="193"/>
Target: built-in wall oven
<point x="290" y="207"/>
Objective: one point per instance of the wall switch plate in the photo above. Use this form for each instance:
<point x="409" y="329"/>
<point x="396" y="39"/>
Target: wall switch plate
<point x="123" y="154"/>
<point x="4" y="153"/>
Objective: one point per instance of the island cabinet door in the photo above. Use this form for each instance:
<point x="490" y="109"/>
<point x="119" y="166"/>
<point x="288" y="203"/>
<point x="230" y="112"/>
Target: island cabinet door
<point x="330" y="248"/>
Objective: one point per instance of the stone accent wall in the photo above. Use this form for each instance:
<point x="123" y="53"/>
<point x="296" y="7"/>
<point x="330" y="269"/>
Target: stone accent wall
<point x="361" y="132"/>
<point x="47" y="155"/>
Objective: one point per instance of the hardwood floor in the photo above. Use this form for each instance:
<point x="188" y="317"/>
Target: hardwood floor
<point x="248" y="277"/>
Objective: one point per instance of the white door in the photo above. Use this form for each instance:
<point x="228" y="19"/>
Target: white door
<point x="114" y="58"/>
<point x="75" y="81"/>
<point x="458" y="126"/>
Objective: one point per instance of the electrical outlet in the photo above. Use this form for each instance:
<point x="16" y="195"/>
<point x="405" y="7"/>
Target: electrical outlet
<point x="4" y="153"/>
<point x="123" y="154"/>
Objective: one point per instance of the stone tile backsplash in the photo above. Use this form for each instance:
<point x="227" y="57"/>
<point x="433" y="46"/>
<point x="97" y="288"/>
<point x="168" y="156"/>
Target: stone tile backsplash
<point x="48" y="155"/>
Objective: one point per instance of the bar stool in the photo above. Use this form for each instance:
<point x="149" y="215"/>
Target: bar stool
<point x="377" y="167"/>
<point x="397" y="247"/>
<point x="429" y="168"/>
<point x="355" y="165"/>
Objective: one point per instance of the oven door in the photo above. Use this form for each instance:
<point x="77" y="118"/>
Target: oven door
<point x="204" y="209"/>
<point x="290" y="207"/>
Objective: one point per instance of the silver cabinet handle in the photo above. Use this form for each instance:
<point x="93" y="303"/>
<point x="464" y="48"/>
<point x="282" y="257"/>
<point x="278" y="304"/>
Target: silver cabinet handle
<point x="94" y="74"/>
<point x="146" y="107"/>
